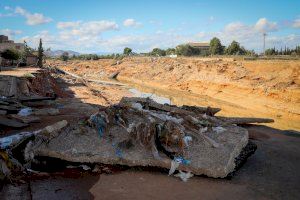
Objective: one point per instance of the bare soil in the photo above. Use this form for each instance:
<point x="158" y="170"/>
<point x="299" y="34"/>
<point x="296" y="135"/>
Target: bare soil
<point x="241" y="88"/>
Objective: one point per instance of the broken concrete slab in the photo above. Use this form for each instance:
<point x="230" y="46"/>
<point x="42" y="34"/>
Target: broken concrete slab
<point x="135" y="136"/>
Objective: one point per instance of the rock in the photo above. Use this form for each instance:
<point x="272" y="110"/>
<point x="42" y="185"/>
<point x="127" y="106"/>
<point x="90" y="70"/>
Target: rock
<point x="46" y="111"/>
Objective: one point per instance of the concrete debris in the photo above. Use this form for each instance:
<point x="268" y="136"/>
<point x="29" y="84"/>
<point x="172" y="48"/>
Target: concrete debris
<point x="140" y="132"/>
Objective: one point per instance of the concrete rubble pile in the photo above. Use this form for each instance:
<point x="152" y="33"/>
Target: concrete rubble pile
<point x="141" y="132"/>
<point x="21" y="97"/>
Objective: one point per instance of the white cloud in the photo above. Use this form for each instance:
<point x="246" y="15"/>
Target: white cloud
<point x="91" y="28"/>
<point x="10" y="33"/>
<point x="78" y="35"/>
<point x="131" y="23"/>
<point x="263" y="25"/>
<point x="65" y="25"/>
<point x="87" y="37"/>
<point x="296" y="23"/>
<point x="32" y="19"/>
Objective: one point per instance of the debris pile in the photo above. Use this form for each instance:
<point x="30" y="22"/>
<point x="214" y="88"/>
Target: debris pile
<point x="22" y="97"/>
<point x="141" y="132"/>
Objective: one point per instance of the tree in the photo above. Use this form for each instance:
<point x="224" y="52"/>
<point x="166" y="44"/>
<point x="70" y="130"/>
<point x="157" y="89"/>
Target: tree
<point x="170" y="51"/>
<point x="127" y="51"/>
<point x="184" y="50"/>
<point x="64" y="56"/>
<point x="270" y="52"/>
<point x="158" y="52"/>
<point x="26" y="52"/>
<point x="40" y="54"/>
<point x="215" y="47"/>
<point x="235" y="49"/>
<point x="11" y="54"/>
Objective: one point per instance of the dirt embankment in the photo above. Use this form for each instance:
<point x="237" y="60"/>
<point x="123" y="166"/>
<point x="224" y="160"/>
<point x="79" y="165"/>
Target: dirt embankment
<point x="240" y="88"/>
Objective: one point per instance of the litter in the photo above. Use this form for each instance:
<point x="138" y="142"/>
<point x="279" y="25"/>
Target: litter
<point x="25" y="112"/>
<point x="140" y="132"/>
<point x="218" y="129"/>
<point x="174" y="166"/>
<point x="184" y="176"/>
<point x="99" y="121"/>
<point x="187" y="139"/>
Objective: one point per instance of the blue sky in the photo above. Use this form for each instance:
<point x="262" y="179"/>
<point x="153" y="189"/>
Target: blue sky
<point x="108" y="26"/>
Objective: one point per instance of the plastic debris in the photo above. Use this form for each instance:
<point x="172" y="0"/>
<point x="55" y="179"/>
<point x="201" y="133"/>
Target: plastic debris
<point x="187" y="139"/>
<point x="184" y="176"/>
<point x="25" y="112"/>
<point x="11" y="140"/>
<point x="100" y="121"/>
<point x="176" y="162"/>
<point x="181" y="160"/>
<point x="174" y="166"/>
<point x="218" y="129"/>
<point x="85" y="167"/>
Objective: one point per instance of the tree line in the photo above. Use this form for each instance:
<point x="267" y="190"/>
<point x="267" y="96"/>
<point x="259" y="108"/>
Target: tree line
<point x="215" y="48"/>
<point x="285" y="51"/>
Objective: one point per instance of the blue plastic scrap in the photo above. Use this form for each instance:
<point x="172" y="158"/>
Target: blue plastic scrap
<point x="182" y="160"/>
<point x="119" y="152"/>
<point x="100" y="123"/>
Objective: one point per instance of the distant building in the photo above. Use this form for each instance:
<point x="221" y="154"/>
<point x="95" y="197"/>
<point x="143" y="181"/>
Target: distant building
<point x="200" y="45"/>
<point x="5" y="43"/>
<point x="31" y="59"/>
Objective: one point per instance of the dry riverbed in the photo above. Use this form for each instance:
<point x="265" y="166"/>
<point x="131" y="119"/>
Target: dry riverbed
<point x="267" y="89"/>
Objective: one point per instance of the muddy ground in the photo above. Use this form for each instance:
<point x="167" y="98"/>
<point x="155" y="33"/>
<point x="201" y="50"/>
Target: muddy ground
<point x="257" y="88"/>
<point x="271" y="173"/>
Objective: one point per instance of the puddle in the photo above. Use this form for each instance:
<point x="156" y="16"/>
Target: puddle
<point x="286" y="121"/>
<point x="154" y="97"/>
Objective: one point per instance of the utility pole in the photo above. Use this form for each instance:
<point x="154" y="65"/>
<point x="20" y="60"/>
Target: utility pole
<point x="264" y="34"/>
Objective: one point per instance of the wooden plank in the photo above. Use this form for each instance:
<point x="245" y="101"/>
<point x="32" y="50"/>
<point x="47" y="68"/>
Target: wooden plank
<point x="243" y="120"/>
<point x="4" y="121"/>
<point x="33" y="99"/>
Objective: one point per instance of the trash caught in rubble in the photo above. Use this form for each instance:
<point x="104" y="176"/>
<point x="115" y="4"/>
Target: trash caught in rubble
<point x="141" y="132"/>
